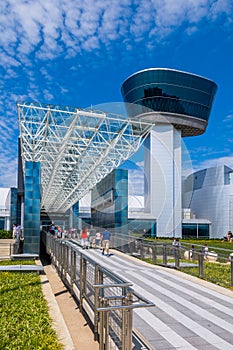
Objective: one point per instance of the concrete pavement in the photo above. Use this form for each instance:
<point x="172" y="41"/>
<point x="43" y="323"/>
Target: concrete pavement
<point x="70" y="325"/>
<point x="189" y="313"/>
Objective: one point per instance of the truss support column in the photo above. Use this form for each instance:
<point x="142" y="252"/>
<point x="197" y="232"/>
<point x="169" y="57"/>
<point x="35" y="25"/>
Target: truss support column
<point x="75" y="214"/>
<point x="32" y="207"/>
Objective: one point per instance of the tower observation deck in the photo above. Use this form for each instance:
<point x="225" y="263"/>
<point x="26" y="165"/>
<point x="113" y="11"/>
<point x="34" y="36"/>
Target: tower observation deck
<point x="164" y="95"/>
<point x="178" y="104"/>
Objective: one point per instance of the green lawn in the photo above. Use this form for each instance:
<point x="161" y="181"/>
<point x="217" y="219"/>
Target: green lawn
<point x="25" y="322"/>
<point x="219" y="272"/>
<point x="213" y="272"/>
<point x="212" y="243"/>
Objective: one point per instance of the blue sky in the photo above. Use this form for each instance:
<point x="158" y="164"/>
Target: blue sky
<point x="78" y="53"/>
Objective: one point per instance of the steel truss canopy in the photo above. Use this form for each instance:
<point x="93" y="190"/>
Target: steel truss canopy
<point x="75" y="147"/>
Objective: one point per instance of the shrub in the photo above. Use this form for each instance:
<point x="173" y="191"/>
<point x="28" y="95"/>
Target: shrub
<point x="5" y="234"/>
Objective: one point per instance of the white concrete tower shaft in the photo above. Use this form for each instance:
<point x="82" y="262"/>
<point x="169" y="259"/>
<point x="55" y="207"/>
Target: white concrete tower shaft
<point x="162" y="166"/>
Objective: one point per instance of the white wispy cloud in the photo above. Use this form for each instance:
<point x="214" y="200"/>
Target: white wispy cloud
<point x="227" y="160"/>
<point x="34" y="34"/>
<point x="9" y="166"/>
<point x="228" y="118"/>
<point x="54" y="27"/>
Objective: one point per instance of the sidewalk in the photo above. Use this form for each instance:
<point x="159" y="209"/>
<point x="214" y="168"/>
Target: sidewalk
<point x="71" y="327"/>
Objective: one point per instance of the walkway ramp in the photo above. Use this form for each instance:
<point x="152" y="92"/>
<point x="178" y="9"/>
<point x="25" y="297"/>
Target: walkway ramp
<point x="189" y="313"/>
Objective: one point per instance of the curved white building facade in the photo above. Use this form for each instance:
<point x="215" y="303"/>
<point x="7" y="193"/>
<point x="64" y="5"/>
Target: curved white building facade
<point x="8" y="207"/>
<point x="209" y="195"/>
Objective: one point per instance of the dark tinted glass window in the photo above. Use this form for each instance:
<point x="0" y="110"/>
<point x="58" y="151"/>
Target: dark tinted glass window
<point x="171" y="91"/>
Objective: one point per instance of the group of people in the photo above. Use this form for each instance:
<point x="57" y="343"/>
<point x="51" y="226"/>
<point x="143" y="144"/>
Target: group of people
<point x="55" y="231"/>
<point x="17" y="232"/>
<point x="228" y="237"/>
<point x="100" y="240"/>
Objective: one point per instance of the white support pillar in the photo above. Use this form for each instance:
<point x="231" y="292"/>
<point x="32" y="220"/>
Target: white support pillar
<point x="7" y="223"/>
<point x="22" y="211"/>
<point x="163" y="179"/>
<point x="71" y="218"/>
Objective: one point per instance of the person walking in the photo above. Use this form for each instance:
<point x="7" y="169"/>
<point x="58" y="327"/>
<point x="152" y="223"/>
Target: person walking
<point x="84" y="238"/>
<point x="206" y="250"/>
<point x="14" y="231"/>
<point x="106" y="235"/>
<point x="174" y="244"/>
<point x="21" y="240"/>
<point x="97" y="240"/>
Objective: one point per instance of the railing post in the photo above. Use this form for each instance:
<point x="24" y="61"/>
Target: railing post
<point x="154" y="253"/>
<point x="201" y="263"/>
<point x="97" y="302"/>
<point x="164" y="254"/>
<point x="83" y="272"/>
<point x="137" y="246"/>
<point x="106" y="326"/>
<point x="63" y="260"/>
<point x="101" y="338"/>
<point x="177" y="257"/>
<point x="66" y="253"/>
<point x="131" y="247"/>
<point x="73" y="269"/>
<point x="129" y="329"/>
<point x="60" y="257"/>
<point x="141" y="249"/>
<point x="123" y="330"/>
<point x="124" y="320"/>
<point x="231" y="270"/>
<point x="96" y="315"/>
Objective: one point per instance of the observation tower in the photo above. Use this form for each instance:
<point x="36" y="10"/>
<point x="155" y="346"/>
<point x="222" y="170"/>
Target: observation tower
<point x="178" y="104"/>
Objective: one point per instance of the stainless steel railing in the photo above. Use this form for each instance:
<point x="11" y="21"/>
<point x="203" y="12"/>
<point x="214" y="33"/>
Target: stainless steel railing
<point x="188" y="258"/>
<point x="103" y="296"/>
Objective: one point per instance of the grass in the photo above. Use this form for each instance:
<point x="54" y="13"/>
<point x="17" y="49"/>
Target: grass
<point x="218" y="273"/>
<point x="218" y="245"/>
<point x="17" y="262"/>
<point x="215" y="243"/>
<point x="25" y="322"/>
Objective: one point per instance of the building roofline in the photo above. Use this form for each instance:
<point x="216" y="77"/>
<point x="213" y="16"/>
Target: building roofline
<point x="168" y="69"/>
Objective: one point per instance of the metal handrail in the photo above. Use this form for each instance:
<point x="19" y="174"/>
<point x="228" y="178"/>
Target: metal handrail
<point x="105" y="304"/>
<point x="110" y="285"/>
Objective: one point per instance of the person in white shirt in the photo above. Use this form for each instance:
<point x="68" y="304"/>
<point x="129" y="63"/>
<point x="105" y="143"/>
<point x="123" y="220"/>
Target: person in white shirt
<point x="97" y="240"/>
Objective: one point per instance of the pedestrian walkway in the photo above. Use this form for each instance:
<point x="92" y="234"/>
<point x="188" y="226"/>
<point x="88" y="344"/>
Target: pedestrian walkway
<point x="189" y="313"/>
<point x="70" y="325"/>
